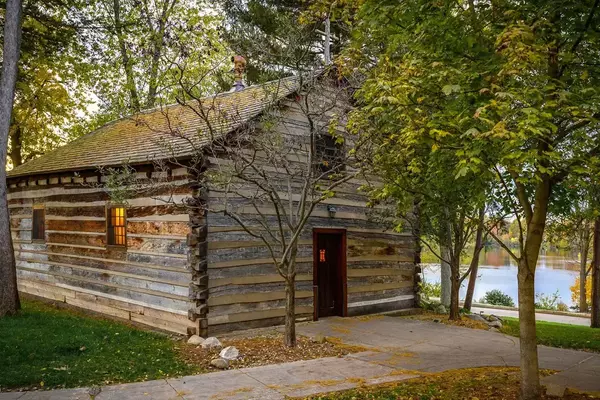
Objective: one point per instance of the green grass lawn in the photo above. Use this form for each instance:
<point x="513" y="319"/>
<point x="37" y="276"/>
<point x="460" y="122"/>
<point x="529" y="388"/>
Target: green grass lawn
<point x="45" y="346"/>
<point x="559" y="335"/>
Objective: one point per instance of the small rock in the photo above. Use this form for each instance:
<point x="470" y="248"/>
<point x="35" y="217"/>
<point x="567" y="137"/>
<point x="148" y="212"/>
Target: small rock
<point x="195" y="340"/>
<point x="220" y="363"/>
<point x="320" y="338"/>
<point x="476" y="317"/>
<point x="494" y="330"/>
<point x="437" y="321"/>
<point x="94" y="391"/>
<point x="229" y="353"/>
<point x="495" y="324"/>
<point x="492" y="318"/>
<point x="211" y="343"/>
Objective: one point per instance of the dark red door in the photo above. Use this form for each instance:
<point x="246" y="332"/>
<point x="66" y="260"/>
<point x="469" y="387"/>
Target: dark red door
<point x="329" y="271"/>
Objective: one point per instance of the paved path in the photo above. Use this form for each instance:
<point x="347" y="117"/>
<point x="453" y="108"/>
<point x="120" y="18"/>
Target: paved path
<point x="563" y="319"/>
<point x="399" y="349"/>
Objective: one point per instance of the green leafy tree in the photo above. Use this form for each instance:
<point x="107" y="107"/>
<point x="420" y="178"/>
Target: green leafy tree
<point x="571" y="225"/>
<point x="54" y="74"/>
<point x="146" y="50"/>
<point x="515" y="83"/>
<point x="416" y="174"/>
<point x="281" y="36"/>
<point x="45" y="113"/>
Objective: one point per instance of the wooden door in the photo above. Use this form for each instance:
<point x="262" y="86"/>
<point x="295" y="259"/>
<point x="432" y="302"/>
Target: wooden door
<point x="330" y="272"/>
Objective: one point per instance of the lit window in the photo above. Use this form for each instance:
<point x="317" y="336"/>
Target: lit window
<point x="38" y="225"/>
<point x="116" y="226"/>
<point x="322" y="255"/>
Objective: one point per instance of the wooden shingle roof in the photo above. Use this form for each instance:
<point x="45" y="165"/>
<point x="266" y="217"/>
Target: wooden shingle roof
<point x="170" y="132"/>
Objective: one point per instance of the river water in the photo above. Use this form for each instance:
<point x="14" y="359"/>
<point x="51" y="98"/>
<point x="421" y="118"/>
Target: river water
<point x="497" y="270"/>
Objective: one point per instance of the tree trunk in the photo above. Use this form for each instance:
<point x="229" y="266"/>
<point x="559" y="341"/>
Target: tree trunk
<point x="446" y="277"/>
<point x="455" y="288"/>
<point x="158" y="44"/>
<point x="125" y="60"/>
<point x="290" y="313"/>
<point x="596" y="277"/>
<point x="530" y="381"/>
<point x="9" y="296"/>
<point x="16" y="145"/>
<point x="153" y="80"/>
<point x="290" y="299"/>
<point x="475" y="261"/>
<point x="583" y="306"/>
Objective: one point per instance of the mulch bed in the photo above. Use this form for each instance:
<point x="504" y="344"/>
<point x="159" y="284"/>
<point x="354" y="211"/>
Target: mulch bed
<point x="263" y="350"/>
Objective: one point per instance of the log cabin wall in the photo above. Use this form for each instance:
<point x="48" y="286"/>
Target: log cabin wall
<point x="147" y="282"/>
<point x="245" y="289"/>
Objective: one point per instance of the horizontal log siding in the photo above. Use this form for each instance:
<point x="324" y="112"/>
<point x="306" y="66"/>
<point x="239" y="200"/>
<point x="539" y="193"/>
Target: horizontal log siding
<point x="146" y="283"/>
<point x="380" y="272"/>
<point x="245" y="290"/>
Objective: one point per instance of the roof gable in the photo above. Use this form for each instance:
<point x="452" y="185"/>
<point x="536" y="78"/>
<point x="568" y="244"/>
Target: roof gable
<point x="173" y="131"/>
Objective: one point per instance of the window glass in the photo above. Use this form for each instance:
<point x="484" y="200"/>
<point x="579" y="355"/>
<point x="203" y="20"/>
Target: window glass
<point x="329" y="154"/>
<point x="38" y="226"/>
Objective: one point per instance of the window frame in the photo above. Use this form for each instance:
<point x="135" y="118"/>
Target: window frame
<point x="110" y="227"/>
<point x="328" y="150"/>
<point x="42" y="208"/>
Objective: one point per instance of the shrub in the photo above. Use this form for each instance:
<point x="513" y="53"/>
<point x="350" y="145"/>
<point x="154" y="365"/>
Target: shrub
<point x="434" y="306"/>
<point x="497" y="298"/>
<point x="562" y="307"/>
<point x="547" y="302"/>
<point x="575" y="292"/>
<point x="431" y="289"/>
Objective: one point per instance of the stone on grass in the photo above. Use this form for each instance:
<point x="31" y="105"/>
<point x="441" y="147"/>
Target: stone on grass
<point x="229" y="353"/>
<point x="492" y="318"/>
<point x="211" y="343"/>
<point x="220" y="363"/>
<point x="495" y="324"/>
<point x="195" y="340"/>
<point x="476" y="317"/>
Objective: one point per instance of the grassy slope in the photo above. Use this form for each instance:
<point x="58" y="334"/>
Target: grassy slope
<point x="43" y="346"/>
<point x="559" y="335"/>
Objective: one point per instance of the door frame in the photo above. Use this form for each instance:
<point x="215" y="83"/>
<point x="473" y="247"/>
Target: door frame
<point x="342" y="270"/>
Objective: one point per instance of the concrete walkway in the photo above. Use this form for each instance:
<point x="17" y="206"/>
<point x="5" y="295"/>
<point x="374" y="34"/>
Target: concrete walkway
<point x="540" y="316"/>
<point x="399" y="349"/>
<point x="416" y="346"/>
